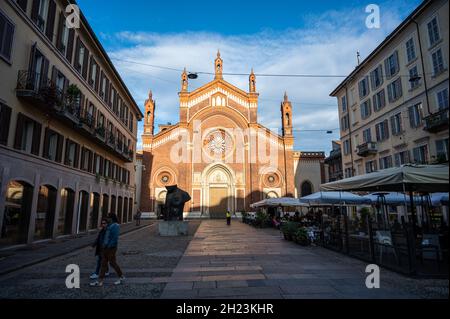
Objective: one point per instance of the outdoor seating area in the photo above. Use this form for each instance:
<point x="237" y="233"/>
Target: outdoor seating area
<point x="403" y="226"/>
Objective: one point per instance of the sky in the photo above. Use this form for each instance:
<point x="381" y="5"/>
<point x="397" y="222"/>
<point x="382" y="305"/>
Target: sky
<point x="150" y="42"/>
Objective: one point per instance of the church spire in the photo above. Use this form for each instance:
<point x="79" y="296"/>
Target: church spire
<point x="150" y="106"/>
<point x="184" y="81"/>
<point x="218" y="66"/>
<point x="252" y="82"/>
<point x="286" y="116"/>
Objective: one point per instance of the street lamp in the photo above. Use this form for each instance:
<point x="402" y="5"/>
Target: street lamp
<point x="192" y="76"/>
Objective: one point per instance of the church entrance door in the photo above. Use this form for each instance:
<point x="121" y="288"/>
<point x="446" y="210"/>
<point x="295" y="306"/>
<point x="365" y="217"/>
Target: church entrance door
<point x="218" y="202"/>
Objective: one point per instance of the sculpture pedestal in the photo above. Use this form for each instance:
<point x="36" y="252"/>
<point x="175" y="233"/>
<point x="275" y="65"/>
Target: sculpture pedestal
<point x="173" y="228"/>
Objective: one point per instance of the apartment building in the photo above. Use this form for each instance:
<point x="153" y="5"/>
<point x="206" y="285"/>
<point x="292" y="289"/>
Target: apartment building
<point x="394" y="106"/>
<point x="68" y="126"/>
<point x="333" y="163"/>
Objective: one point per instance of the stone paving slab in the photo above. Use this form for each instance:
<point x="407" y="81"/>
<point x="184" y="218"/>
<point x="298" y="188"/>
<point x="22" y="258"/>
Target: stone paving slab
<point x="142" y="255"/>
<point x="19" y="257"/>
<point x="240" y="261"/>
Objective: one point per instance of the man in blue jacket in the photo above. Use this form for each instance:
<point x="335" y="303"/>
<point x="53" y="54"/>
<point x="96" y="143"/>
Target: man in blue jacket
<point x="109" y="251"/>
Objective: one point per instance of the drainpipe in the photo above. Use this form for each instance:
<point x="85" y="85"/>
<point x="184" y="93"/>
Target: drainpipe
<point x="349" y="130"/>
<point x="423" y="68"/>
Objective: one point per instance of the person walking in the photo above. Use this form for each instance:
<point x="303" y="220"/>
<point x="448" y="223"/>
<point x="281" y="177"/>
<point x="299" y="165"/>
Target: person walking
<point x="109" y="251"/>
<point x="228" y="218"/>
<point x="138" y="217"/>
<point x="98" y="248"/>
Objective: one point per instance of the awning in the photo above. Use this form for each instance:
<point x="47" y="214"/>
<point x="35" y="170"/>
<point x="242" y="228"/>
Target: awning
<point x="276" y="202"/>
<point x="393" y="198"/>
<point x="420" y="178"/>
<point x="439" y="199"/>
<point x="335" y="198"/>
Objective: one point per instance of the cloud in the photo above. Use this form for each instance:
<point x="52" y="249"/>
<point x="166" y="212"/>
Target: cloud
<point x="326" y="45"/>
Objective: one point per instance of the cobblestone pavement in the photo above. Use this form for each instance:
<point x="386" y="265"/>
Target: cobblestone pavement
<point x="219" y="261"/>
<point x="142" y="255"/>
<point x="20" y="256"/>
<point x="239" y="261"/>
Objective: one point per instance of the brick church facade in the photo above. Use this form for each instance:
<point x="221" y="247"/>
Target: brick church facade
<point x="220" y="154"/>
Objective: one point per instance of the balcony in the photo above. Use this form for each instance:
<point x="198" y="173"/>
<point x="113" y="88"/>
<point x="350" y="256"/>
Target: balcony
<point x="100" y="133"/>
<point x="366" y="149"/>
<point x="39" y="91"/>
<point x="437" y="122"/>
<point x="87" y="122"/>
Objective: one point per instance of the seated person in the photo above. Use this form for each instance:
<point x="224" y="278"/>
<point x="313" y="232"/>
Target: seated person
<point x="276" y="223"/>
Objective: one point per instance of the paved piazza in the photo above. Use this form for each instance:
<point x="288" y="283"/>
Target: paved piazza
<point x="217" y="261"/>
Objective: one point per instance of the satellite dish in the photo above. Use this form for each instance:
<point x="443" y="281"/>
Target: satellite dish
<point x="193" y="76"/>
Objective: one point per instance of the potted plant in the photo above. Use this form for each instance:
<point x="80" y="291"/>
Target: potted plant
<point x="244" y="217"/>
<point x="289" y="229"/>
<point x="301" y="236"/>
<point x="73" y="96"/>
<point x="262" y="219"/>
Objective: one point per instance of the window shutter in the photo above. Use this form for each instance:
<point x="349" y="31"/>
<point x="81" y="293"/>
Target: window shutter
<point x="386" y="68"/>
<point x="397" y="64"/>
<point x="35" y="10"/>
<point x="6" y="30"/>
<point x="91" y="67"/>
<point x="69" y="52"/>
<point x="380" y="73"/>
<point x="51" y="20"/>
<point x="5" y="117"/>
<point x="82" y="103"/>
<point x="82" y="163"/>
<point x="44" y="75"/>
<point x="386" y="128"/>
<point x="23" y="4"/>
<point x="393" y="129"/>
<point x="97" y="78"/>
<point x="77" y="55"/>
<point x="46" y="142"/>
<point x="31" y="66"/>
<point x="59" y="149"/>
<point x="411" y="116"/>
<point x="59" y="31"/>
<point x="90" y="162"/>
<point x="77" y="156"/>
<point x="66" y="85"/>
<point x="101" y="165"/>
<point x="66" y="152"/>
<point x="399" y="87"/>
<point x="85" y="63"/>
<point x="36" y="138"/>
<point x="54" y="74"/>
<point x="107" y="90"/>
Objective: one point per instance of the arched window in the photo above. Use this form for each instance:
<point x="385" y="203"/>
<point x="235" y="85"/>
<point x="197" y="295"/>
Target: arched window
<point x="218" y="101"/>
<point x="306" y="188"/>
<point x="287" y="119"/>
<point x="148" y="117"/>
<point x="17" y="212"/>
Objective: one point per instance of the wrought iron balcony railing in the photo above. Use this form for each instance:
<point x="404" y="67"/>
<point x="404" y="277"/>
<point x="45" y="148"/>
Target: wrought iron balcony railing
<point x="437" y="122"/>
<point x="367" y="148"/>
